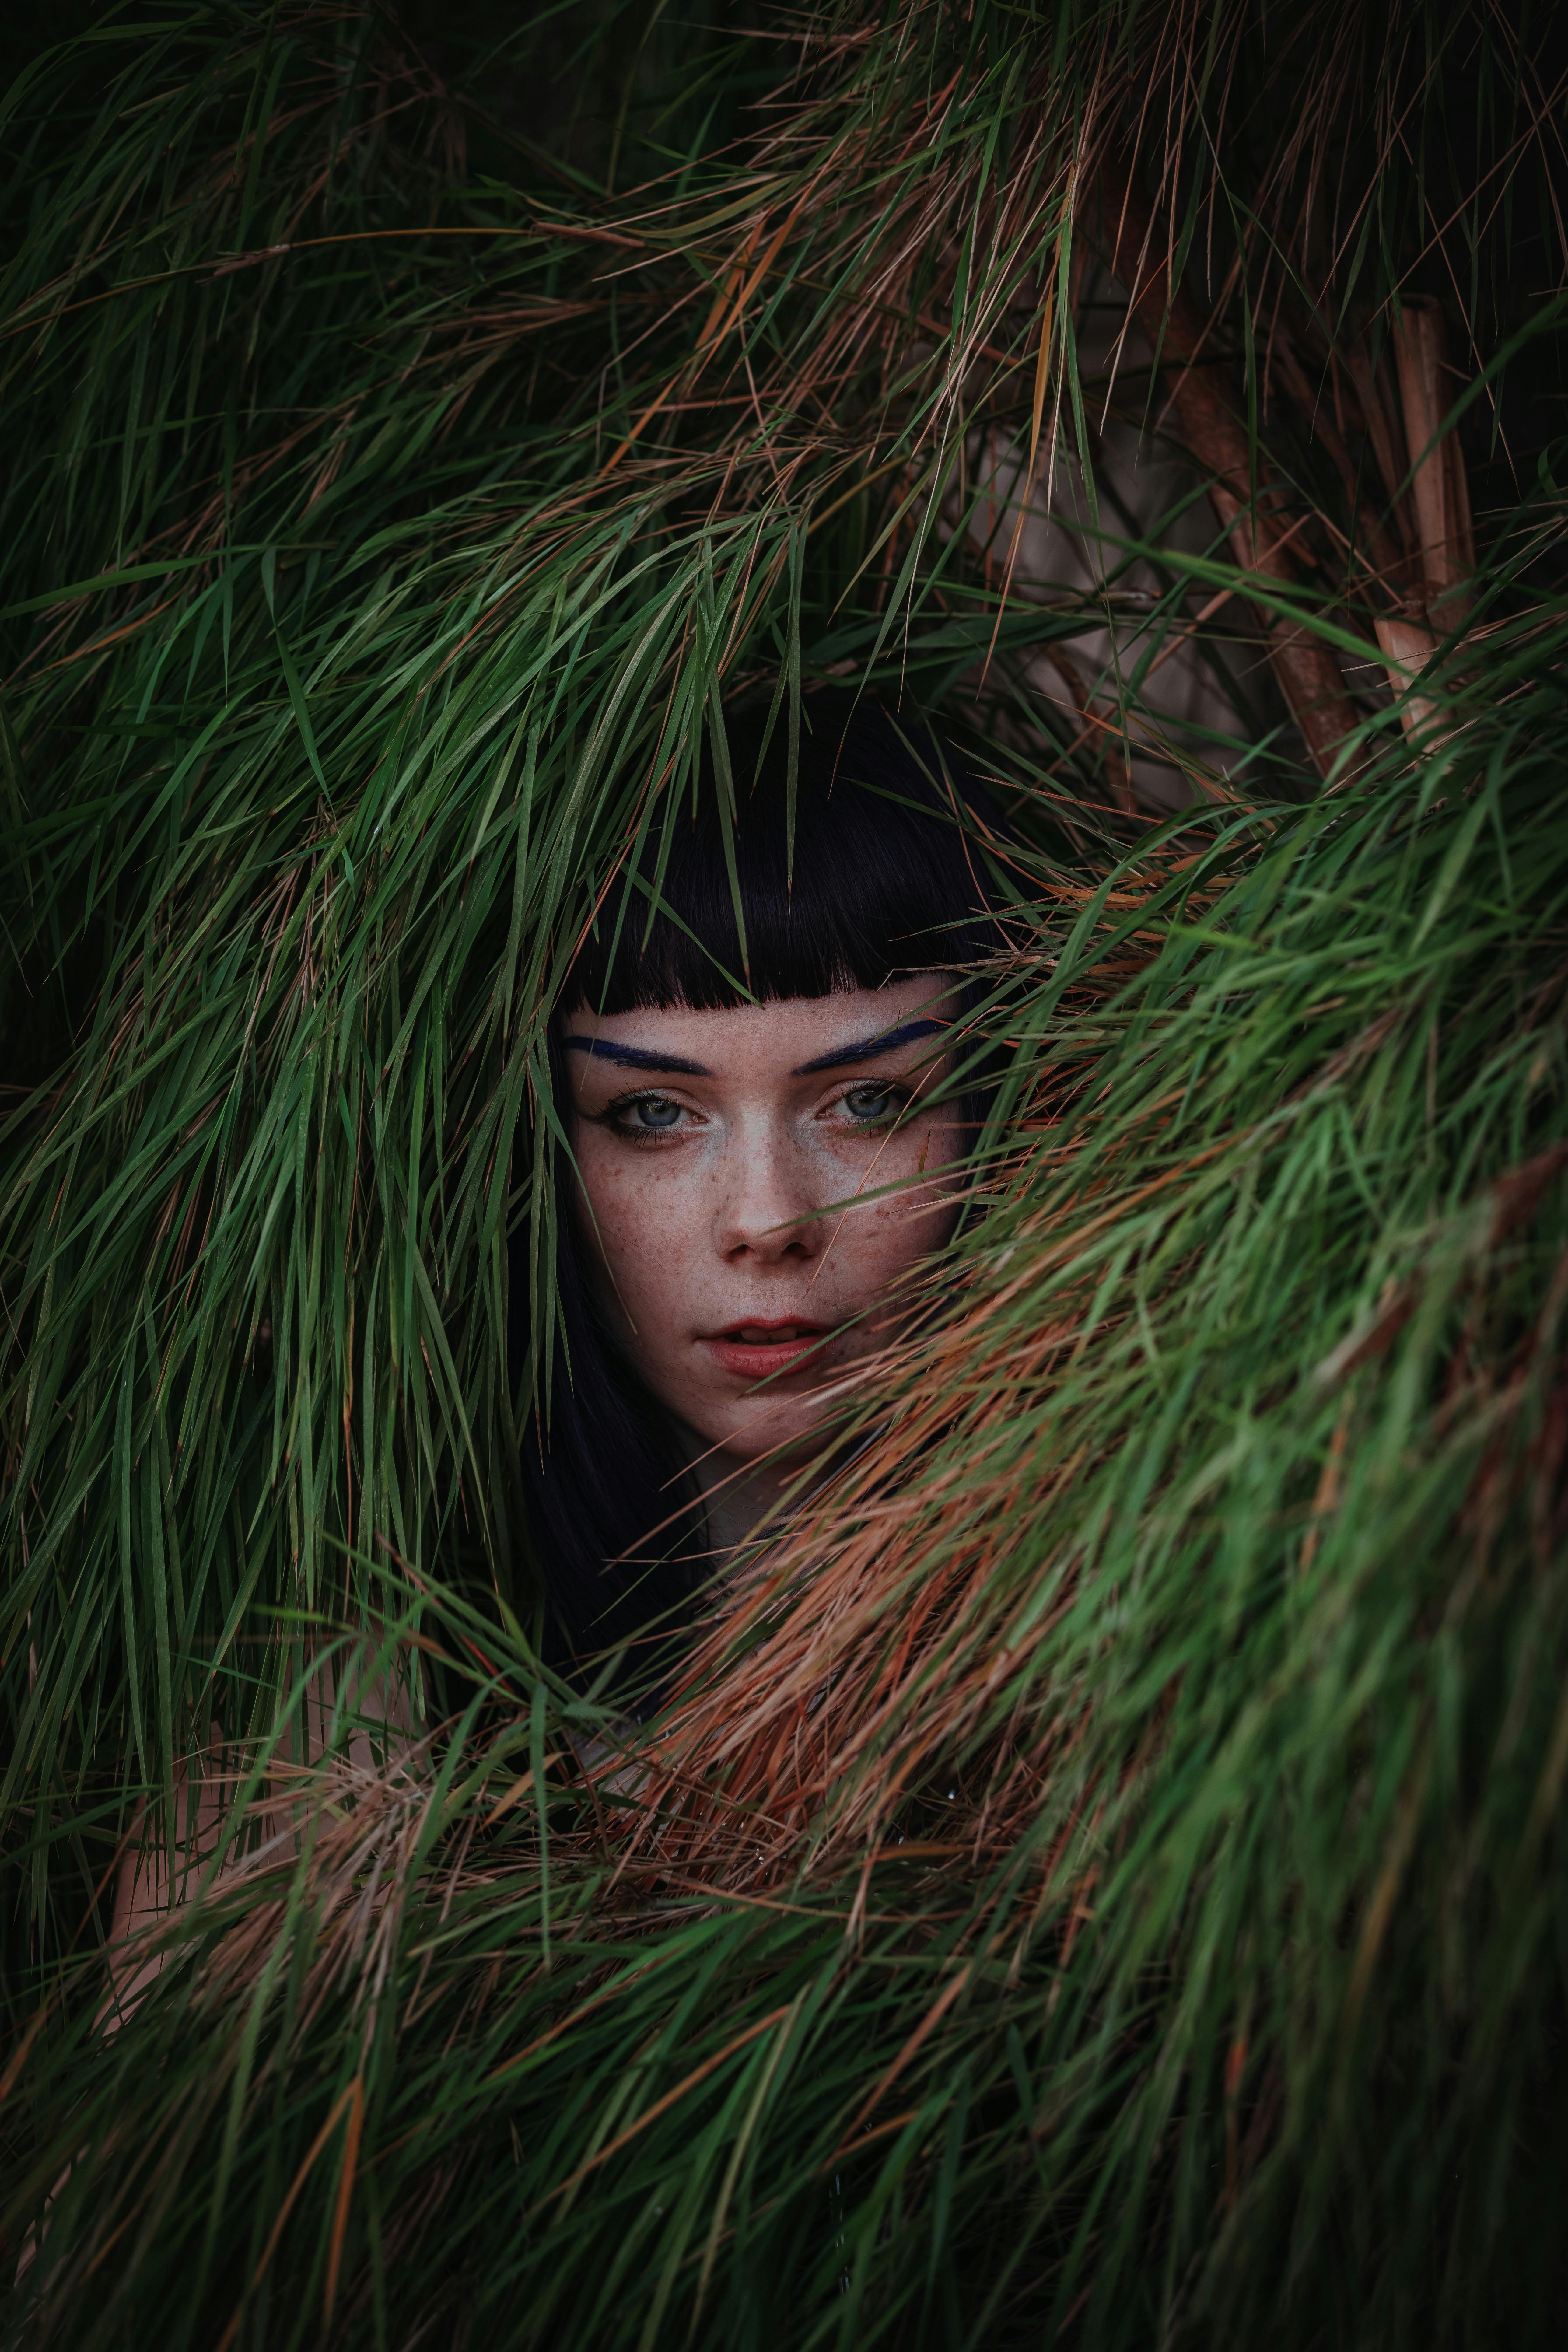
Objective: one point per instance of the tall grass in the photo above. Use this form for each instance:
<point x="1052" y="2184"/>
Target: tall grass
<point x="1102" y="1877"/>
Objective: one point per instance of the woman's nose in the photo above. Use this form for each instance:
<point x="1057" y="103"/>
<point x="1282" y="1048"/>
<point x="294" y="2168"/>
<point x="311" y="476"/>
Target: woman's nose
<point x="768" y="1209"/>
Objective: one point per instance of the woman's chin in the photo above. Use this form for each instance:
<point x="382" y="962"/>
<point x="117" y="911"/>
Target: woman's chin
<point x="775" y="1438"/>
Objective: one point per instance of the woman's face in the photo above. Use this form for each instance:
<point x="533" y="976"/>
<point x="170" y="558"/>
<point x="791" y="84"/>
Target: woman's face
<point x="725" y="1159"/>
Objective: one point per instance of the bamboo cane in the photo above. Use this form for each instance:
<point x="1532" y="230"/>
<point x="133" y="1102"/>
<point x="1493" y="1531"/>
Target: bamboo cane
<point x="1438" y="507"/>
<point x="1217" y="436"/>
<point x="1439" y="493"/>
<point x="1406" y="648"/>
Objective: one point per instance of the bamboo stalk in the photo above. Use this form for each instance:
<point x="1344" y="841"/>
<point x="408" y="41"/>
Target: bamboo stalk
<point x="1439" y="492"/>
<point x="1217" y="436"/>
<point x="1406" y="648"/>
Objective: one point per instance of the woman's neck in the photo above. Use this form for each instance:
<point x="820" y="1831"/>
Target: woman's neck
<point x="742" y="1505"/>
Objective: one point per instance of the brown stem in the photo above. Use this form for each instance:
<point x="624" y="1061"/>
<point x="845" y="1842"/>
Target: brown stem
<point x="1381" y="425"/>
<point x="1439" y="490"/>
<point x="1217" y="436"/>
<point x="1378" y="551"/>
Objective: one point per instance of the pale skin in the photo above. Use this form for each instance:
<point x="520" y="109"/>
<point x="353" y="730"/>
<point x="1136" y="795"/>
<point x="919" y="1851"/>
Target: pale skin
<point x="735" y="1168"/>
<point x="144" y="1893"/>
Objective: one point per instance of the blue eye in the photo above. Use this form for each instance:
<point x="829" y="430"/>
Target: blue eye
<point x="652" y="1114"/>
<point x="870" y="1102"/>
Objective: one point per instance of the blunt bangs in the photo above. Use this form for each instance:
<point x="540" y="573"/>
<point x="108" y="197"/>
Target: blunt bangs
<point x="886" y="877"/>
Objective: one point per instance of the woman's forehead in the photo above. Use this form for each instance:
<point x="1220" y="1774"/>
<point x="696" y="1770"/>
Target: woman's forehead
<point x="785" y="1035"/>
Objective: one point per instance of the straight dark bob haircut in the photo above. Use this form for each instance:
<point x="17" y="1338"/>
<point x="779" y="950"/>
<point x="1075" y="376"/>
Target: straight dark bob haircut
<point x="883" y="875"/>
<point x="882" y="872"/>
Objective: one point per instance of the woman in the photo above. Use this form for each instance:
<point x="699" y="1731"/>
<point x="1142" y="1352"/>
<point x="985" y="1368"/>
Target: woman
<point x="764" y="1135"/>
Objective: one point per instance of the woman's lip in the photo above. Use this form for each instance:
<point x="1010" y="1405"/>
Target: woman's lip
<point x="756" y="1358"/>
<point x="773" y="1326"/>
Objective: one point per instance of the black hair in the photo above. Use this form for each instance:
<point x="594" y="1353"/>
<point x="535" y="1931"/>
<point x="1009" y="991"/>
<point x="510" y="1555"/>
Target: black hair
<point x="885" y="875"/>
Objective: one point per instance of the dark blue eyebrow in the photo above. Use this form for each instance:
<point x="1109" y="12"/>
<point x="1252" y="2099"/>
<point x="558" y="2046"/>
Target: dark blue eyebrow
<point x="867" y="1049"/>
<point x="632" y="1057"/>
<point x="864" y="1049"/>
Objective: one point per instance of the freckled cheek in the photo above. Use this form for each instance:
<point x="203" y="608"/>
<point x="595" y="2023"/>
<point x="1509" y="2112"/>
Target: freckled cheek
<point x="888" y="1237"/>
<point x="638" y="1220"/>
